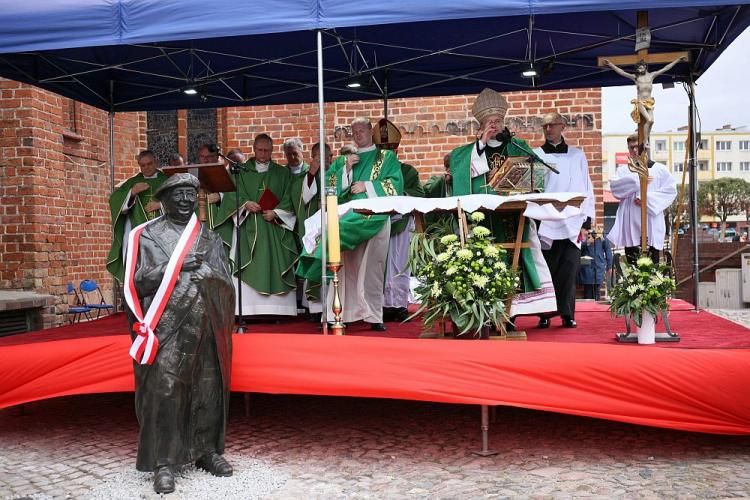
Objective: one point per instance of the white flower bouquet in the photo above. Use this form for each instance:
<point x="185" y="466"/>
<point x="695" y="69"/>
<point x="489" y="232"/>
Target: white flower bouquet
<point x="645" y="286"/>
<point x="470" y="284"/>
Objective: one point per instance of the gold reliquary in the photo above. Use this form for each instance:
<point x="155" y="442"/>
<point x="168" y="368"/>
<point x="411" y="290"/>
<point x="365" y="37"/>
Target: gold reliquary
<point x="515" y="175"/>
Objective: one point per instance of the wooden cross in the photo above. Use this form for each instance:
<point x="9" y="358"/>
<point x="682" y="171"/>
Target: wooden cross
<point x="640" y="166"/>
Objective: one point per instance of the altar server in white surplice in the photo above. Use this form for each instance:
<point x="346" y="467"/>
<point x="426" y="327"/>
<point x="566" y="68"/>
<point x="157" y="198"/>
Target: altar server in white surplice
<point x="561" y="240"/>
<point x="626" y="187"/>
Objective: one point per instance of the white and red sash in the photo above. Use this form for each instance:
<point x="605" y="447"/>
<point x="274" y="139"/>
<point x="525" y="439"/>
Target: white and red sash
<point x="146" y="343"/>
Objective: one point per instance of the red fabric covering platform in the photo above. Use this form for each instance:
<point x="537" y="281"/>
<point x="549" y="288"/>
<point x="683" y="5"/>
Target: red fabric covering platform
<point x="700" y="384"/>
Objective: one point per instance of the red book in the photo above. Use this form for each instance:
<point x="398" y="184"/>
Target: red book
<point x="268" y="200"/>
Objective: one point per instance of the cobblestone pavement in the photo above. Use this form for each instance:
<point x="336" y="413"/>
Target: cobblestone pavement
<point x="740" y="316"/>
<point x="317" y="447"/>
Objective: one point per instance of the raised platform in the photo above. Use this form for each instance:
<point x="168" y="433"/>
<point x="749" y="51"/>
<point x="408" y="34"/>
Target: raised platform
<point x="699" y="384"/>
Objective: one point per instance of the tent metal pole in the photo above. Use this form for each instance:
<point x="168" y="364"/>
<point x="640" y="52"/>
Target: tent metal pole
<point x="694" y="221"/>
<point x="322" y="152"/>
<point x="111" y="138"/>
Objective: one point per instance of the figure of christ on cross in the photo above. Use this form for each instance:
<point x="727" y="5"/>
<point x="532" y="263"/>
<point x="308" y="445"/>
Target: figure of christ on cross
<point x="643" y="105"/>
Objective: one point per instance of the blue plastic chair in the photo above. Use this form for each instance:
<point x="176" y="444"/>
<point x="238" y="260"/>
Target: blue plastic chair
<point x="78" y="308"/>
<point x="94" y="298"/>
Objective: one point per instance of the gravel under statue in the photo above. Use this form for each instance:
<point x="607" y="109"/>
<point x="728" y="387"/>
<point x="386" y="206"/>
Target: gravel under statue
<point x="180" y="297"/>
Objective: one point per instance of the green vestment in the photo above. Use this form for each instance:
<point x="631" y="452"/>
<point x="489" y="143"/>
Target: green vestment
<point x="136" y="213"/>
<point x="300" y="208"/>
<point x="269" y="250"/>
<point x="503" y="226"/>
<point x="436" y="187"/>
<point x="412" y="187"/>
<point x="383" y="171"/>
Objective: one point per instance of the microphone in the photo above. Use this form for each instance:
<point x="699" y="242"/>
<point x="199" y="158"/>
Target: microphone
<point x="504" y="136"/>
<point x="213" y="148"/>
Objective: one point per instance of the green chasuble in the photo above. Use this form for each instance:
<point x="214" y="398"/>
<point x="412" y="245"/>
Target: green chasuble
<point x="500" y="224"/>
<point x="436" y="187"/>
<point x="300" y="209"/>
<point x="269" y="251"/>
<point x="383" y="171"/>
<point x="412" y="187"/>
<point x="137" y="214"/>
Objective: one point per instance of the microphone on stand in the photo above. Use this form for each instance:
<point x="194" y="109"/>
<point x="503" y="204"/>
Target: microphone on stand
<point x="504" y="136"/>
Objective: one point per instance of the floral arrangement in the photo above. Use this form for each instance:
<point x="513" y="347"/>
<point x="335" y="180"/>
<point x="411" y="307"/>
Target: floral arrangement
<point x="645" y="286"/>
<point x="469" y="283"/>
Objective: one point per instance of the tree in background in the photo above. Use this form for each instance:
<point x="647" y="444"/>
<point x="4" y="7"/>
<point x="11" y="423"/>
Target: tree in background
<point x="724" y="197"/>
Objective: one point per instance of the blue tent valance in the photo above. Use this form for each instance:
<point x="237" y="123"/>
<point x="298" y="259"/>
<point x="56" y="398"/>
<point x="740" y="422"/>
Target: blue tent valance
<point x="142" y="54"/>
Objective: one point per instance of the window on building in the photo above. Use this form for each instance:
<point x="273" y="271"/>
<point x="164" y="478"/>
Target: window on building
<point x="724" y="166"/>
<point x="678" y="145"/>
<point x="703" y="144"/>
<point x="703" y="165"/>
<point x="678" y="166"/>
<point x="744" y="145"/>
<point x="745" y="166"/>
<point x="723" y="145"/>
<point x="660" y="145"/>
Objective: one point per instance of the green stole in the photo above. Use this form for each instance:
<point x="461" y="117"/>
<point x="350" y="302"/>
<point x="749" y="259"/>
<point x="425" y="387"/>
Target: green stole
<point x="137" y="214"/>
<point x="412" y="187"/>
<point x="384" y="171"/>
<point x="269" y="251"/>
<point x="500" y="224"/>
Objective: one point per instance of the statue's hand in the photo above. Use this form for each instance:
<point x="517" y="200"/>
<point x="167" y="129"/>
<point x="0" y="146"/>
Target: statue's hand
<point x="192" y="262"/>
<point x="201" y="273"/>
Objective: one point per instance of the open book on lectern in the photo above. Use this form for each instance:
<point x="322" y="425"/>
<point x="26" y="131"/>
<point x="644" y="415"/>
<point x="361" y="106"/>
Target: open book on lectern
<point x="514" y="175"/>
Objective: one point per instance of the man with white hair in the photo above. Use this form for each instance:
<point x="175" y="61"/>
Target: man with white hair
<point x="370" y="173"/>
<point x="294" y="153"/>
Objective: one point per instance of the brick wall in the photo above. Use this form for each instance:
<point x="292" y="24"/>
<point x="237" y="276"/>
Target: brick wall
<point x="55" y="179"/>
<point x="431" y="127"/>
<point x="54" y="187"/>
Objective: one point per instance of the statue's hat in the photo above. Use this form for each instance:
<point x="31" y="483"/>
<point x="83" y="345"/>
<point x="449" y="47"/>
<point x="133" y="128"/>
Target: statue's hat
<point x="177" y="180"/>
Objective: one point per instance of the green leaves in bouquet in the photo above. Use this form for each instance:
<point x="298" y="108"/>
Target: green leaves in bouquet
<point x="645" y="286"/>
<point x="468" y="284"/>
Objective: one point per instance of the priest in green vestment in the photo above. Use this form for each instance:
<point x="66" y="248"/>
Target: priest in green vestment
<point x="369" y="173"/>
<point x="132" y="203"/>
<point x="266" y="219"/>
<point x="294" y="151"/>
<point x="469" y="166"/>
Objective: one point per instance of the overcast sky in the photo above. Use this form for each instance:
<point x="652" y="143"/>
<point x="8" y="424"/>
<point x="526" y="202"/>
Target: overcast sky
<point x="722" y="96"/>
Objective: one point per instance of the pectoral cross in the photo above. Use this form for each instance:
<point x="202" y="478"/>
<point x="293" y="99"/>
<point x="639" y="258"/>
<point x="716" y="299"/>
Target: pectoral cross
<point x="644" y="103"/>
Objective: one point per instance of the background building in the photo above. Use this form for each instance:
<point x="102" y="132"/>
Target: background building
<point x="721" y="153"/>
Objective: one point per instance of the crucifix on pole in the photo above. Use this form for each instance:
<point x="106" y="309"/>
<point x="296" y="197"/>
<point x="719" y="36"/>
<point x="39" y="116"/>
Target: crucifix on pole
<point x="643" y="104"/>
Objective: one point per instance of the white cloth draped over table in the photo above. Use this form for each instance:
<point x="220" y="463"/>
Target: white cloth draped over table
<point x="469" y="203"/>
<point x="626" y="187"/>
<point x="542" y="300"/>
